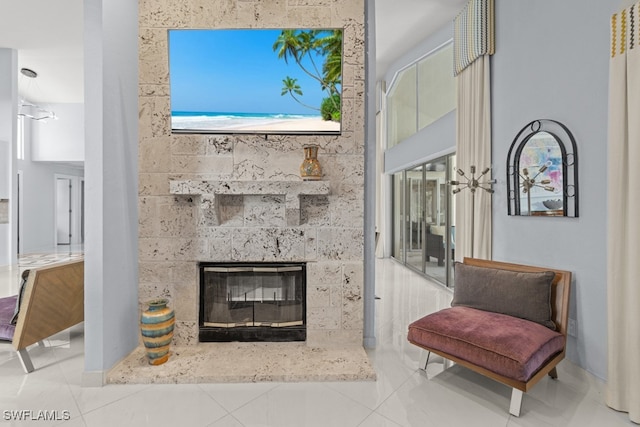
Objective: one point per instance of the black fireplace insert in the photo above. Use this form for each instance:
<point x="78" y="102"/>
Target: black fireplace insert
<point x="252" y="302"/>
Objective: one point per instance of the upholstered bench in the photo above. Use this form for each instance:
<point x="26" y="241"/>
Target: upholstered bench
<point x="507" y="322"/>
<point x="49" y="301"/>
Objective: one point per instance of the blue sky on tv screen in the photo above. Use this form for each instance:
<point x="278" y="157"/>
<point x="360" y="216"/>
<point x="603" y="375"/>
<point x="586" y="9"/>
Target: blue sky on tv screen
<point x="235" y="71"/>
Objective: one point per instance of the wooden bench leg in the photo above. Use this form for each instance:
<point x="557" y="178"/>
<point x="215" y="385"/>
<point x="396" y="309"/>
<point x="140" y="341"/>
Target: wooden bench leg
<point x="25" y="360"/>
<point x="516" y="402"/>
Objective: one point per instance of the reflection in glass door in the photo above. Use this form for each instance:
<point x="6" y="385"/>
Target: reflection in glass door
<point x="415" y="220"/>
<point x="436" y="219"/>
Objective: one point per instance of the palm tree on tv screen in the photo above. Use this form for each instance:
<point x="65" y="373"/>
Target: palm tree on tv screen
<point x="290" y="86"/>
<point x="302" y="46"/>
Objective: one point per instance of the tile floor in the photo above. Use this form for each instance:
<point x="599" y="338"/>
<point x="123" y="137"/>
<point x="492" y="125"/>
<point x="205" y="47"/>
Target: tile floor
<point x="402" y="395"/>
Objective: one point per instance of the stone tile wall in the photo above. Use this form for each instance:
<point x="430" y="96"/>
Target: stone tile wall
<point x="177" y="231"/>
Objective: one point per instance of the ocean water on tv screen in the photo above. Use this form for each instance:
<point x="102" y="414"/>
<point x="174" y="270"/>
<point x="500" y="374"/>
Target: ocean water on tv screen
<point x="219" y="121"/>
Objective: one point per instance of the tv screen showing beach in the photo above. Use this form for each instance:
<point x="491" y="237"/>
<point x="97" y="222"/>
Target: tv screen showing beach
<point x="284" y="81"/>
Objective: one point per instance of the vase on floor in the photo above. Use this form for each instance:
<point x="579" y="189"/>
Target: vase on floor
<point x="156" y="326"/>
<point x="310" y="168"/>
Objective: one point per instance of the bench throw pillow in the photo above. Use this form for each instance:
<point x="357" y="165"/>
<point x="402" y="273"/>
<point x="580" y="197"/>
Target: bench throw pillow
<point x="23" y="284"/>
<point x="519" y="294"/>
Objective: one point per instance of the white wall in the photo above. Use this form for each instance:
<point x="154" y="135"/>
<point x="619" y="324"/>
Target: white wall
<point x="37" y="193"/>
<point x="5" y="193"/>
<point x="38" y="203"/>
<point x="551" y="62"/>
<point x="62" y="139"/>
<point x="111" y="135"/>
<point x="8" y="111"/>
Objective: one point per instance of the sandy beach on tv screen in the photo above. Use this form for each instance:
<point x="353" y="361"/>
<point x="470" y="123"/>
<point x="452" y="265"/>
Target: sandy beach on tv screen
<point x="305" y="125"/>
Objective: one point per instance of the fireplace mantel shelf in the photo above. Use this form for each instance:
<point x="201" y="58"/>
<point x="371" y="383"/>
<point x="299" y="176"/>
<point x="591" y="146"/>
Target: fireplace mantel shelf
<point x="292" y="190"/>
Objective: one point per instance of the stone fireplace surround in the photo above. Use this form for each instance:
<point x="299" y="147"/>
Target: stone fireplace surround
<point x="183" y="220"/>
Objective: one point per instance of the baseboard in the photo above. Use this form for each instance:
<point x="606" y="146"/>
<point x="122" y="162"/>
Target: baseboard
<point x="93" y="379"/>
<point x="369" y="342"/>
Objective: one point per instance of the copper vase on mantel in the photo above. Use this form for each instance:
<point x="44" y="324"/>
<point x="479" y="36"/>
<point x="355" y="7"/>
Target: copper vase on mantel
<point x="310" y="168"/>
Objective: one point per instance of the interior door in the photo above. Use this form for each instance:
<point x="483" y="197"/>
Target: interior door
<point x="63" y="211"/>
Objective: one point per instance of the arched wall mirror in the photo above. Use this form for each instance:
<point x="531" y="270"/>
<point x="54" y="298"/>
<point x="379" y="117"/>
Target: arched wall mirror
<point x="542" y="171"/>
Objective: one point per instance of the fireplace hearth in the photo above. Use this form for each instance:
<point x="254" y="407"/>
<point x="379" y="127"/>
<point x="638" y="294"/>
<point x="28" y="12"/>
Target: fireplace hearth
<point x="252" y="302"/>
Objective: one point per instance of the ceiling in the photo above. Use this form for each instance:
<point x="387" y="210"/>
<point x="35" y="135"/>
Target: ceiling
<point x="48" y="36"/>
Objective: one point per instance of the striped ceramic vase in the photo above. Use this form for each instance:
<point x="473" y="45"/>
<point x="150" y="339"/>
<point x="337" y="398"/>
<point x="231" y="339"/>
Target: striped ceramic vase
<point x="156" y="325"/>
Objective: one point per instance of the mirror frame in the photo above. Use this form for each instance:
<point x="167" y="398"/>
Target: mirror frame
<point x="569" y="157"/>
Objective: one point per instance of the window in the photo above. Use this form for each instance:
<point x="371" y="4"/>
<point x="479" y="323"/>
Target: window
<point x="20" y="138"/>
<point x="437" y="89"/>
<point x="402" y="107"/>
<point x="420" y="94"/>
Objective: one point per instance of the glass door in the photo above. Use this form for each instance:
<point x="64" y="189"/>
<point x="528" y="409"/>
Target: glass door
<point x="424" y="219"/>
<point x="415" y="218"/>
<point x="451" y="253"/>
<point x="398" y="216"/>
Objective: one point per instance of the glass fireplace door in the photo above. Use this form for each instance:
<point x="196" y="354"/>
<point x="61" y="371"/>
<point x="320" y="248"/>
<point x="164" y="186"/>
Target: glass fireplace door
<point x="251" y="301"/>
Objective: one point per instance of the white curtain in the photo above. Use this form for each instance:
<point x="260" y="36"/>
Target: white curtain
<point x="473" y="148"/>
<point x="623" y="268"/>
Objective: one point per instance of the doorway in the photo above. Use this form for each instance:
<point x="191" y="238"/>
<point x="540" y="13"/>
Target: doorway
<point x="69" y="210"/>
<point x="63" y="211"/>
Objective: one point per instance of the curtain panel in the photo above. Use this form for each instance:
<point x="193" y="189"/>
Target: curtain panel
<point x="473" y="42"/>
<point x="473" y="148"/>
<point x="623" y="269"/>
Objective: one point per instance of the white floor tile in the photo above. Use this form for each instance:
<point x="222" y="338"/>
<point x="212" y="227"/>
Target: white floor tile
<point x="228" y="421"/>
<point x="159" y="405"/>
<point x="370" y="393"/>
<point x="44" y="391"/>
<point x="91" y="398"/>
<point x="376" y="420"/>
<point x="402" y="396"/>
<point x="73" y="422"/>
<point x="425" y="402"/>
<point x="302" y="404"/>
<point x="234" y="396"/>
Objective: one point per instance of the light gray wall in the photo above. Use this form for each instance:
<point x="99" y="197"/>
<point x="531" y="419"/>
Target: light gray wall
<point x="111" y="248"/>
<point x="552" y="61"/>
<point x="369" y="339"/>
<point x="8" y="111"/>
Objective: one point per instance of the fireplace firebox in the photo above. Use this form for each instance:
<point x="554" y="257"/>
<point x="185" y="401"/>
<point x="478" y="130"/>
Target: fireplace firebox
<point x="252" y="302"/>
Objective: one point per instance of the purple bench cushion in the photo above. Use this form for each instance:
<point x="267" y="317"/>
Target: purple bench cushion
<point x="509" y="346"/>
<point x="7" y="308"/>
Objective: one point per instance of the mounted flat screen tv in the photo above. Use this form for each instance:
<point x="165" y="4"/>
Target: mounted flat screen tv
<point x="256" y="81"/>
